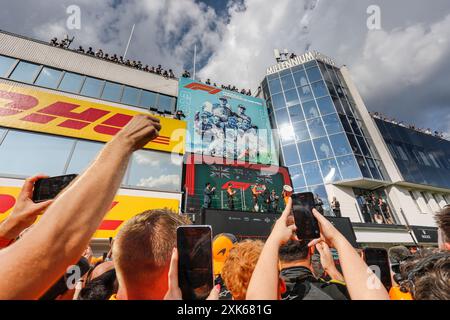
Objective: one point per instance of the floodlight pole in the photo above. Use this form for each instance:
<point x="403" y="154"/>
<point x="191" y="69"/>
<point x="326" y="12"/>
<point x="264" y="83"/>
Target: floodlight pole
<point x="195" y="58"/>
<point x="128" y="44"/>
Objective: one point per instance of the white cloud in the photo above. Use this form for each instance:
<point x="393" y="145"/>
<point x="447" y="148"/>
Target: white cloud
<point x="146" y="159"/>
<point x="171" y="181"/>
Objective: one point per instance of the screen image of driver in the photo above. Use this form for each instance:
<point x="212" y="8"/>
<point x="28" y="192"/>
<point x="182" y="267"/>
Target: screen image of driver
<point x="222" y="109"/>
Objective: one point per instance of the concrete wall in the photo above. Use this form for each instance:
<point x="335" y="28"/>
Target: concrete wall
<point x="42" y="53"/>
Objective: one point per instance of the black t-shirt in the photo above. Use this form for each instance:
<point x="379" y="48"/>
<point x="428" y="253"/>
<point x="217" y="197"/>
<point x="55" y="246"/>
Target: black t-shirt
<point x="302" y="285"/>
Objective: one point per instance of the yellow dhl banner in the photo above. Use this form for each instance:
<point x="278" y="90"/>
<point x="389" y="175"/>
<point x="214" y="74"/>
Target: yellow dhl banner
<point x="36" y="110"/>
<point x="122" y="209"/>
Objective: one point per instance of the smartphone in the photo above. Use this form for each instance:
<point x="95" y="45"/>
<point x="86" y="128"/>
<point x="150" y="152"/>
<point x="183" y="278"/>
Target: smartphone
<point x="49" y="188"/>
<point x="307" y="225"/>
<point x="377" y="259"/>
<point x="195" y="266"/>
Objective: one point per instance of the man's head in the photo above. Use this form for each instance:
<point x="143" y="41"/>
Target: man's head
<point x="295" y="253"/>
<point x="238" y="267"/>
<point x="443" y="222"/>
<point x="142" y="252"/>
<point x="207" y="185"/>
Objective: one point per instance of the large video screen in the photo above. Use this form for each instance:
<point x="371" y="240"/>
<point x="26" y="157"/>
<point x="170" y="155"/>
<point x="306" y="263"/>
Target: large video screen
<point x="226" y="124"/>
<point x="245" y="179"/>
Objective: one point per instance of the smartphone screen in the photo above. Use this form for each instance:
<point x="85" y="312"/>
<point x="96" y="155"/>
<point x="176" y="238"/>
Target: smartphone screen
<point x="49" y="188"/>
<point x="377" y="259"/>
<point x="307" y="225"/>
<point x="195" y="269"/>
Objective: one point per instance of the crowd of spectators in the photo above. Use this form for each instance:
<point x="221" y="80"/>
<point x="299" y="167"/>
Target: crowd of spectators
<point x="36" y="258"/>
<point x="115" y="58"/>
<point x="428" y="131"/>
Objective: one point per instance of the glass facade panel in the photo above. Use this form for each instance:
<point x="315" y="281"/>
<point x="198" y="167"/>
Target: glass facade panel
<point x="92" y="87"/>
<point x="287" y="82"/>
<point x="298" y="179"/>
<point x="314" y="74"/>
<point x="310" y="109"/>
<point x="300" y="79"/>
<point x="130" y="96"/>
<point x="319" y="89"/>
<point x="326" y="105"/>
<point x="19" y="150"/>
<point x="340" y="144"/>
<point x="306" y="151"/>
<point x="71" y="82"/>
<point x="296" y="113"/>
<point x="330" y="171"/>
<point x="49" y="78"/>
<point x="290" y="155"/>
<point x="142" y="171"/>
<point x="348" y="167"/>
<point x="316" y="128"/>
<point x="25" y="72"/>
<point x="83" y="155"/>
<point x="148" y="99"/>
<point x="278" y="101"/>
<point x="166" y="103"/>
<point x="112" y="91"/>
<point x="305" y="93"/>
<point x="275" y="86"/>
<point x="301" y="131"/>
<point x="282" y="117"/>
<point x="6" y="64"/>
<point x="312" y="173"/>
<point x="363" y="166"/>
<point x="323" y="148"/>
<point x="291" y="97"/>
<point x="332" y="124"/>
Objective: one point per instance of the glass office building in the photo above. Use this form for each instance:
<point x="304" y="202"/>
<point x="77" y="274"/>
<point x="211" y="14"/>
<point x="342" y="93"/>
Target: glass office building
<point x="322" y="138"/>
<point x="421" y="158"/>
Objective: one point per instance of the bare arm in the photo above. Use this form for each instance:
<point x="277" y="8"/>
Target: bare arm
<point x="30" y="266"/>
<point x="264" y="282"/>
<point x="361" y="283"/>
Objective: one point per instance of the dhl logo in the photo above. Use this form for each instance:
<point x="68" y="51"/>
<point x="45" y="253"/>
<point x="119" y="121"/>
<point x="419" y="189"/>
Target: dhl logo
<point x="202" y="87"/>
<point x="44" y="112"/>
<point x="122" y="209"/>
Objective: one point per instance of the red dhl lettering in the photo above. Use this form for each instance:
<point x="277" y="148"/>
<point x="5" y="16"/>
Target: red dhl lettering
<point x="73" y="120"/>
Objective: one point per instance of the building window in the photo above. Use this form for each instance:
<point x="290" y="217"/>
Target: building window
<point x="300" y="79"/>
<point x="348" y="167"/>
<point x="148" y="100"/>
<point x="340" y="144"/>
<point x="6" y="63"/>
<point x="306" y="151"/>
<point x="330" y="171"/>
<point x="291" y="97"/>
<point x="316" y="128"/>
<point x="323" y="148"/>
<point x="287" y="82"/>
<point x="305" y="93"/>
<point x="92" y="87"/>
<point x="319" y="89"/>
<point x="310" y="109"/>
<point x="130" y="96"/>
<point x="301" y="131"/>
<point x="71" y="82"/>
<point x="298" y="179"/>
<point x="314" y="74"/>
<point x="26" y="149"/>
<point x="326" y="105"/>
<point x="312" y="173"/>
<point x="155" y="170"/>
<point x="282" y="117"/>
<point x="374" y="206"/>
<point x="49" y="78"/>
<point x="112" y="91"/>
<point x="275" y="86"/>
<point x="290" y="155"/>
<point x="83" y="154"/>
<point x="296" y="113"/>
<point x="25" y="72"/>
<point x="278" y="101"/>
<point x="332" y="124"/>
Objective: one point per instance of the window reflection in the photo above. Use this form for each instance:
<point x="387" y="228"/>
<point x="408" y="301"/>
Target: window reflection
<point x="155" y="170"/>
<point x="25" y="72"/>
<point x="316" y="128"/>
<point x="290" y="155"/>
<point x="319" y="89"/>
<point x="340" y="144"/>
<point x="306" y="151"/>
<point x="310" y="109"/>
<point x="130" y="96"/>
<point x="330" y="171"/>
<point x="305" y="93"/>
<point x="71" y="82"/>
<point x="301" y="131"/>
<point x="323" y="148"/>
<point x="148" y="99"/>
<point x="349" y="168"/>
<point x="332" y="123"/>
<point x="312" y="173"/>
<point x="314" y="74"/>
<point x="112" y="91"/>
<point x="300" y="79"/>
<point x="278" y="101"/>
<point x="21" y="154"/>
<point x="287" y="82"/>
<point x="49" y="78"/>
<point x="296" y="113"/>
<point x="325" y="105"/>
<point x="275" y="86"/>
<point x="6" y="64"/>
<point x="298" y="180"/>
<point x="282" y="117"/>
<point x="83" y="155"/>
<point x="92" y="87"/>
<point x="291" y="97"/>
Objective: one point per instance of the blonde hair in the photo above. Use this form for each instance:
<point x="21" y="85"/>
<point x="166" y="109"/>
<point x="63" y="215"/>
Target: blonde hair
<point x="238" y="268"/>
<point x="145" y="242"/>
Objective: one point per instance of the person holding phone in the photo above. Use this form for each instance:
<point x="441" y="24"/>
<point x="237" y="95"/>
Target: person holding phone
<point x="264" y="281"/>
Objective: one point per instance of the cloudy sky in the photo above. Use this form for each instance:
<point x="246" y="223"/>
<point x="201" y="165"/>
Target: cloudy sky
<point x="402" y="70"/>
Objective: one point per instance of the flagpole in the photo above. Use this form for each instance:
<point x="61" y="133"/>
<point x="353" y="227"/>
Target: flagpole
<point x="195" y="58"/>
<point x="128" y="44"/>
